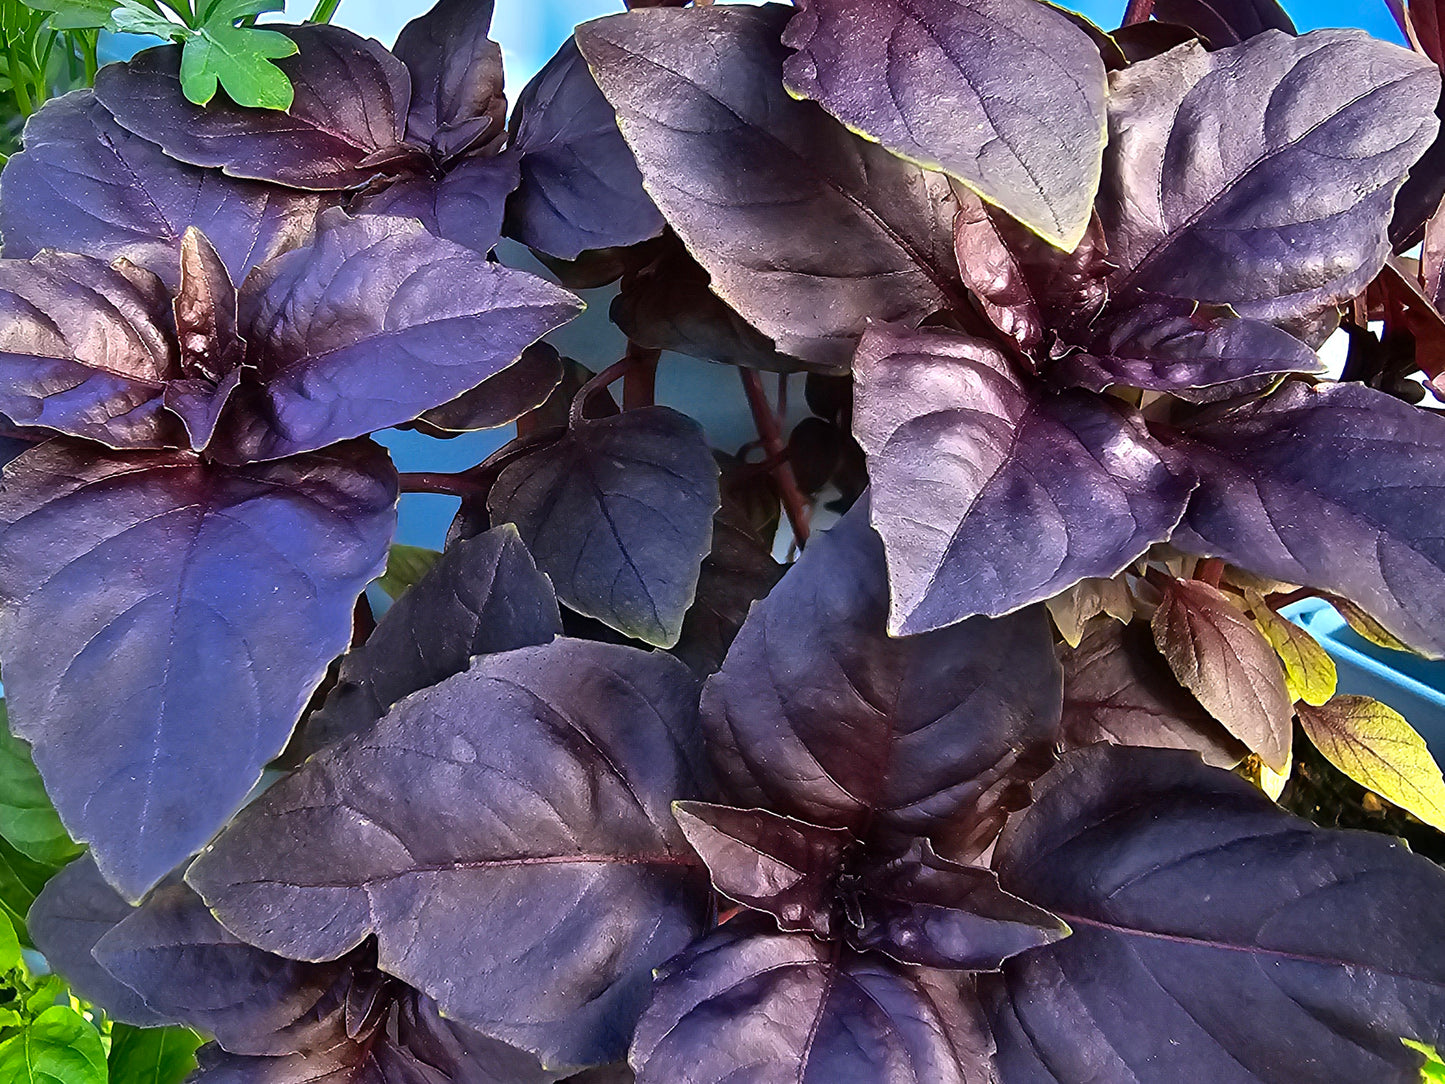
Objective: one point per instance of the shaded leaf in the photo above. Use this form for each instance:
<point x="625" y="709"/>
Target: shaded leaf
<point x="405" y="565"/>
<point x="27" y="819"/>
<point x="457" y="101"/>
<point x="1309" y="672"/>
<point x="151" y="1055"/>
<point x="1366" y="626"/>
<point x="58" y="1047"/>
<point x="1073" y="610"/>
<point x="502" y="399"/>
<point x="1225" y="22"/>
<point x="167" y="620"/>
<point x="738" y="571"/>
<point x="465" y="204"/>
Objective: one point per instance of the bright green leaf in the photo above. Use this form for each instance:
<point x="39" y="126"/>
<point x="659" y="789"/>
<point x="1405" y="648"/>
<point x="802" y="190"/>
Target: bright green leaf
<point x="21" y="880"/>
<point x="404" y="566"/>
<point x="27" y="819"/>
<point x="1433" y="1071"/>
<point x="233" y="11"/>
<point x="238" y="59"/>
<point x="75" y="14"/>
<point x="9" y="945"/>
<point x="151" y="1055"/>
<point x="131" y="17"/>
<point x="1373" y="744"/>
<point x="1309" y="672"/>
<point x="59" y="1047"/>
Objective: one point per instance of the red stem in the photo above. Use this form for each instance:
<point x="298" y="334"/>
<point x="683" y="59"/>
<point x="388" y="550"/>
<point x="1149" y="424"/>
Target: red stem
<point x="1138" y="11"/>
<point x="1210" y="571"/>
<point x="450" y="485"/>
<point x="607" y="376"/>
<point x="639" y="386"/>
<point x="771" y="432"/>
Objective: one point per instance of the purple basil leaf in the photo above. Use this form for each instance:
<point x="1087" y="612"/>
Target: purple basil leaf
<point x="1421" y="193"/>
<point x="1119" y="689"/>
<point x="780" y="865"/>
<point x="502" y="399"/>
<point x="465" y="204"/>
<point x="205" y="312"/>
<point x="619" y="513"/>
<point x="85" y="184"/>
<point x="376" y="323"/>
<point x="692" y="115"/>
<point x="85" y="350"/>
<point x="1215" y="938"/>
<point x="165" y="623"/>
<point x="819" y="714"/>
<point x="937" y="82"/>
<point x="1139" y="42"/>
<point x="1225" y="22"/>
<point x="580" y="186"/>
<point x="922" y="909"/>
<point x="74" y="911"/>
<point x="344" y="126"/>
<point x="505" y="835"/>
<point x="991" y="493"/>
<point x="1304" y="487"/>
<point x="620" y="1073"/>
<point x="456" y="77"/>
<point x="1262" y="176"/>
<point x="199" y="404"/>
<point x="748" y="1003"/>
<point x="482" y="596"/>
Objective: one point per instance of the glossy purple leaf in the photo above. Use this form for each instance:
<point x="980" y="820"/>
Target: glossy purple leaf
<point x="482" y="596"/>
<point x="85" y="184"/>
<point x="747" y="1003"/>
<point x="1305" y="487"/>
<point x="619" y="513"/>
<point x="374" y="324"/>
<point x="692" y="114"/>
<point x="165" y="623"/>
<point x="465" y="204"/>
<point x="456" y="77"/>
<point x="502" y="399"/>
<point x="505" y="835"/>
<point x="819" y="714"/>
<point x="991" y="493"/>
<point x="1119" y="689"/>
<point x="938" y="83"/>
<point x="205" y="310"/>
<point x="1262" y="176"/>
<point x="85" y="350"/>
<point x="580" y="186"/>
<point x="1225" y="22"/>
<point x="345" y="125"/>
<point x="1215" y="938"/>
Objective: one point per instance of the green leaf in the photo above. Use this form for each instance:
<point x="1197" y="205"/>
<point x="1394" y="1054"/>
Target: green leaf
<point x="1367" y="627"/>
<point x="59" y="1047"/>
<point x="1309" y="672"/>
<point x="151" y="1055"/>
<point x="47" y="991"/>
<point x="131" y="17"/>
<point x="1373" y="744"/>
<point x="238" y="59"/>
<point x="1433" y="1071"/>
<point x="21" y="880"/>
<point x="27" y="819"/>
<point x="75" y="14"/>
<point x="404" y="566"/>
<point x="233" y="11"/>
<point x="9" y="945"/>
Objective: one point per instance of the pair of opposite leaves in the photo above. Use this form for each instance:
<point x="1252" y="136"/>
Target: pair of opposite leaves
<point x="506" y="837"/>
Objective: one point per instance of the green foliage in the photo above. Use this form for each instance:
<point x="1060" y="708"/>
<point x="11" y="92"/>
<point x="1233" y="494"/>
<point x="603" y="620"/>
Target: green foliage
<point x="28" y="821"/>
<point x="151" y="1055"/>
<point x="46" y="48"/>
<point x="1433" y="1071"/>
<point x="59" y="1046"/>
<point x="404" y="566"/>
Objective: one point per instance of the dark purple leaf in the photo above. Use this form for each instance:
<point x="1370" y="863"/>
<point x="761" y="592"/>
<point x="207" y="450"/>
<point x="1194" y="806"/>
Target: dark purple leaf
<point x="205" y="313"/>
<point x="819" y="714"/>
<point x="465" y="204"/>
<point x="922" y="909"/>
<point x="1119" y="689"/>
<point x="739" y="571"/>
<point x="1225" y="22"/>
<point x="85" y="350"/>
<point x="752" y="1004"/>
<point x="505" y="835"/>
<point x="502" y="399"/>
<point x="619" y="513"/>
<point x="694" y="116"/>
<point x="85" y="184"/>
<point x="990" y="493"/>
<point x="344" y="126"/>
<point x="1144" y="41"/>
<point x="620" y="1073"/>
<point x="482" y="596"/>
<point x="938" y="82"/>
<point x="1215" y="939"/>
<point x="199" y="404"/>
<point x="1262" y="176"/>
<point x="376" y="323"/>
<point x="165" y="623"/>
<point x="456" y="77"/>
<point x="580" y="186"/>
<point x="780" y="865"/>
<point x="1305" y="486"/>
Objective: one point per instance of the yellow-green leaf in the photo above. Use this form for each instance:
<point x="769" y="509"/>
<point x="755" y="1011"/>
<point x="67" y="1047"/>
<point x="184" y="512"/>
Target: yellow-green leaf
<point x="404" y="566"/>
<point x="1366" y="626"/>
<point x="59" y="1047"/>
<point x="1309" y="672"/>
<point x="1373" y="744"/>
<point x="1433" y="1071"/>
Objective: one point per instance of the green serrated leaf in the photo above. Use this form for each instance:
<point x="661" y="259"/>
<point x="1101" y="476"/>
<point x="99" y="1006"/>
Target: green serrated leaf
<point x="151" y="1055"/>
<point x="1433" y="1071"/>
<point x="59" y="1047"/>
<point x="238" y="59"/>
<point x="1309" y="672"/>
<point x="404" y="566"/>
<point x="27" y="819"/>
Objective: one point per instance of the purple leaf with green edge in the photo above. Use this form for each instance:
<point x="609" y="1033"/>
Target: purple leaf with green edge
<point x="1305" y="486"/>
<point x="374" y="324"/>
<point x="819" y="714"/>
<point x="166" y="621"/>
<point x="1262" y="176"/>
<point x="507" y="837"/>
<point x="344" y="126"/>
<point x="780" y="865"/>
<point x="692" y="112"/>
<point x="1215" y="938"/>
<point x="85" y="350"/>
<point x="85" y="184"/>
<point x="482" y="596"/>
<point x="499" y="400"/>
<point x="750" y="1003"/>
<point x="992" y="493"/>
<point x="581" y="189"/>
<point x="925" y="910"/>
<point x="1119" y="689"/>
<point x="619" y="513"/>
<point x="465" y="204"/>
<point x="936" y="82"/>
<point x="1225" y="22"/>
<point x="1218" y="653"/>
<point x="75" y="910"/>
<point x="457" y="101"/>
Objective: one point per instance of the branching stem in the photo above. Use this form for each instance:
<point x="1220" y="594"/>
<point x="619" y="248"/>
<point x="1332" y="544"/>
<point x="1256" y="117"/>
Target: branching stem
<point x="794" y="503"/>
